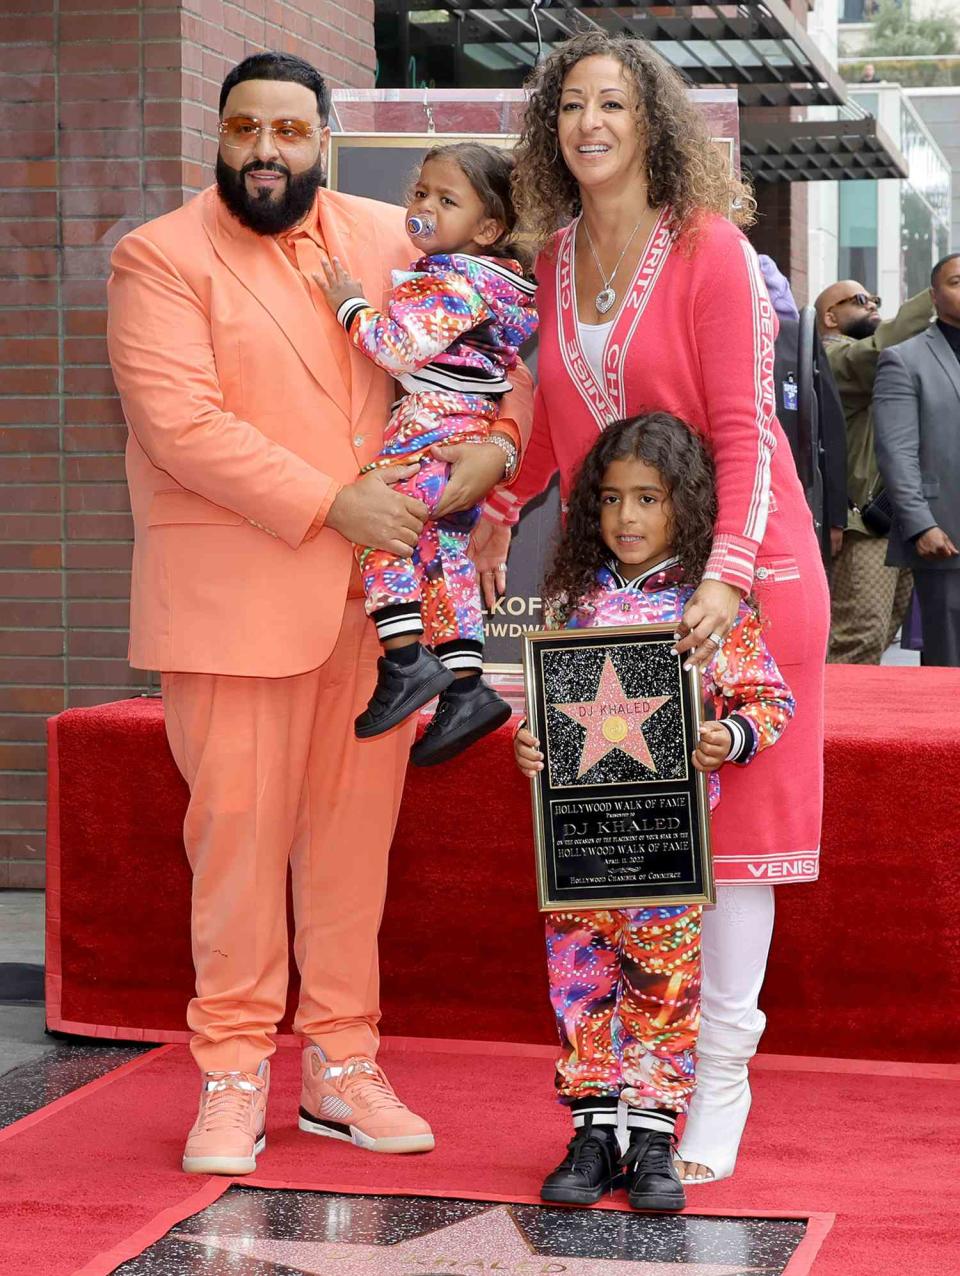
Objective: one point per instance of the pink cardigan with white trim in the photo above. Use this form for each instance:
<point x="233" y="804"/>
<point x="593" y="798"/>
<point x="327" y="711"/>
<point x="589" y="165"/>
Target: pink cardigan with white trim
<point x="703" y="351"/>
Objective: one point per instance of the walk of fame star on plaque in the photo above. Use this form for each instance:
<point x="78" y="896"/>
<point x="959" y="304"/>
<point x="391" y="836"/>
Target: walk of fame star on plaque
<point x="613" y="720"/>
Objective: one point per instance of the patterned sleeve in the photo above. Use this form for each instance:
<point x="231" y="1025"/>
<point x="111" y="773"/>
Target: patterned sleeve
<point x="426" y="314"/>
<point x="512" y="300"/>
<point x="735" y="329"/>
<point x="749" y="691"/>
<point x="519" y="320"/>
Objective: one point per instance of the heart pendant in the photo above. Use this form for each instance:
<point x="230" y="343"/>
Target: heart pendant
<point x="605" y="300"/>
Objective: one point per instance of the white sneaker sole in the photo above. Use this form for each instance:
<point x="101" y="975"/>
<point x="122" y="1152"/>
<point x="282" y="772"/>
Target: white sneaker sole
<point x="399" y="1143"/>
<point x="224" y="1164"/>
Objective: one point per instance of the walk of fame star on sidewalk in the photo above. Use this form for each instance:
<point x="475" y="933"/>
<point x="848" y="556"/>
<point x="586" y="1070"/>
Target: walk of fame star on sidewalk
<point x="489" y="1242"/>
<point x="613" y="720"/>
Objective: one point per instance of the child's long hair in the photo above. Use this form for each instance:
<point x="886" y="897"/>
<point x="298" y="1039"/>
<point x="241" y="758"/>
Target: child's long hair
<point x="671" y="447"/>
<point x="489" y="170"/>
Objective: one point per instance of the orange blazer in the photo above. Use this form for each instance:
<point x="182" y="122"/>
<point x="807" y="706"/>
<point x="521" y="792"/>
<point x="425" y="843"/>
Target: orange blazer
<point x="242" y="427"/>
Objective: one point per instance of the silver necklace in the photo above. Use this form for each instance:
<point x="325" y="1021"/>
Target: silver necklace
<point x="607" y="294"/>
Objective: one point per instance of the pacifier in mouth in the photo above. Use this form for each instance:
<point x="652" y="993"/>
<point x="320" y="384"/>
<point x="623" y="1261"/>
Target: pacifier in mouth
<point x="421" y="227"/>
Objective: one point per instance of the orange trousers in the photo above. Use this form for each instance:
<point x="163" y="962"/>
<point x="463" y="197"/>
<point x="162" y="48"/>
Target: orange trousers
<point x="277" y="777"/>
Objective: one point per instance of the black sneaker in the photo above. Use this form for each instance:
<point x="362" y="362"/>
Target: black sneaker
<point x="652" y="1179"/>
<point x="460" y="721"/>
<point x="400" y="691"/>
<point x="590" y="1168"/>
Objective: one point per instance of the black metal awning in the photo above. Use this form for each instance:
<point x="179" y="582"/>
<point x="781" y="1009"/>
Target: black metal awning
<point x="849" y="147"/>
<point x="756" y="47"/>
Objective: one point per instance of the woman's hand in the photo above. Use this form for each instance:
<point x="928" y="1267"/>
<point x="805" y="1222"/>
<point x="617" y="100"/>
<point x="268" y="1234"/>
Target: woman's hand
<point x="489" y="547"/>
<point x="713" y="748"/>
<point x="475" y="468"/>
<point x="707" y="619"/>
<point x="526" y="751"/>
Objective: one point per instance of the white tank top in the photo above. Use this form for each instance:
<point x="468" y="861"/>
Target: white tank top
<point x="593" y="337"/>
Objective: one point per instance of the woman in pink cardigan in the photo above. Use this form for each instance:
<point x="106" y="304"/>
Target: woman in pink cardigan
<point x="651" y="298"/>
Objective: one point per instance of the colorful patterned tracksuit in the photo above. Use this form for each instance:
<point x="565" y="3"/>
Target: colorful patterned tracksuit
<point x="625" y="983"/>
<point x="450" y="335"/>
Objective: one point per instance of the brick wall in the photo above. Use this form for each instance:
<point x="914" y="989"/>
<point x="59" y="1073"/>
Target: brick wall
<point x="107" y="118"/>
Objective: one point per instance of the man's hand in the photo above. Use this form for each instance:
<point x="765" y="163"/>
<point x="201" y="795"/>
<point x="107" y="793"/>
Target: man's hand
<point x="336" y="285"/>
<point x="707" y="619"/>
<point x="713" y="748"/>
<point x="475" y="469"/>
<point x="526" y="752"/>
<point x="370" y="512"/>
<point x="836" y="541"/>
<point x="489" y="547"/>
<point x="935" y="543"/>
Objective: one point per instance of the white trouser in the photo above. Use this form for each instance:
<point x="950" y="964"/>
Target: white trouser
<point x="735" y="944"/>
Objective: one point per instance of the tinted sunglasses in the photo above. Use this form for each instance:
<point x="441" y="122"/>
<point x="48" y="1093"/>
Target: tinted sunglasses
<point x="859" y="299"/>
<point x="245" y="131"/>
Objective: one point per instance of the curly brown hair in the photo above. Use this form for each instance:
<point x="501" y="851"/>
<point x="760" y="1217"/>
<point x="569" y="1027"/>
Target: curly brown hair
<point x="686" y="471"/>
<point x="685" y="170"/>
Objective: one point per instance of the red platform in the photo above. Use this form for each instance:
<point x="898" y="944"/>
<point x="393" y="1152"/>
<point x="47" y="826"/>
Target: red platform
<point x="866" y="963"/>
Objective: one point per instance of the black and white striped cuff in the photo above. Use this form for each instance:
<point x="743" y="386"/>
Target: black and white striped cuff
<point x="741" y="737"/>
<point x="651" y="1119"/>
<point x="599" y="1111"/>
<point x="349" y="310"/>
<point x="461" y="653"/>
<point x="395" y="621"/>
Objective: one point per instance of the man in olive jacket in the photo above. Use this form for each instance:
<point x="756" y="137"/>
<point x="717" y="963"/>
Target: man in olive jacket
<point x="868" y="599"/>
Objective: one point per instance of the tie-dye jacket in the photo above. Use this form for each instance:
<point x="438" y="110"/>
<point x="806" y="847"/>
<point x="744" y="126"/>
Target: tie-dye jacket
<point x="741" y="684"/>
<point x="454" y="322"/>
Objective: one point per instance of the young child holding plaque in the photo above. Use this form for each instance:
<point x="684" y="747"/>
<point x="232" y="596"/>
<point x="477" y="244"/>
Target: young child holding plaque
<point x="450" y="335"/>
<point x="625" y="983"/>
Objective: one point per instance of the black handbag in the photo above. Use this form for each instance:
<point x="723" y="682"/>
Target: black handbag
<point x="877" y="513"/>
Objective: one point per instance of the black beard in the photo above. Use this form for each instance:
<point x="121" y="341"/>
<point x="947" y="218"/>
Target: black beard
<point x="262" y="213"/>
<point x="860" y="329"/>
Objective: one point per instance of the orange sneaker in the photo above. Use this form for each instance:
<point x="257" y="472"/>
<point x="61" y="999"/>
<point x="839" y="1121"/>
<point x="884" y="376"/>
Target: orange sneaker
<point x="229" y="1129"/>
<point x="352" y="1100"/>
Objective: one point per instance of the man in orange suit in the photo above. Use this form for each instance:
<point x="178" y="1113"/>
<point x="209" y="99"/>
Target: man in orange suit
<point x="250" y="417"/>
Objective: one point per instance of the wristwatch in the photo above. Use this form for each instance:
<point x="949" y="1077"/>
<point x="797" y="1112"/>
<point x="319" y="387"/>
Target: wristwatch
<point x="509" y="449"/>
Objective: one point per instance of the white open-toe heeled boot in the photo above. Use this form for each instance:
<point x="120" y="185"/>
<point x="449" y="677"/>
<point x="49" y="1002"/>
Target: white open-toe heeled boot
<point x="721" y="1102"/>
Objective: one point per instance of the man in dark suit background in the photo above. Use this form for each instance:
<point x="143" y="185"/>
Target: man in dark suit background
<point x="868" y="601"/>
<point x="916" y="406"/>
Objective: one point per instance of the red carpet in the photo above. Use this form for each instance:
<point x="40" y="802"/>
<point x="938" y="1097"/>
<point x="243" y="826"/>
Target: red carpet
<point x="94" y="1179"/>
<point x="865" y="964"/>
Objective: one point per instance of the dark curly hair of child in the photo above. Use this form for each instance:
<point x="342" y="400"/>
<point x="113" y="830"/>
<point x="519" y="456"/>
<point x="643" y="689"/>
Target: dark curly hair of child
<point x="679" y="454"/>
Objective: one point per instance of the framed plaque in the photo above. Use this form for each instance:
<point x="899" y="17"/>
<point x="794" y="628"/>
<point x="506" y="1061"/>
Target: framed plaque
<point x="620" y="816"/>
